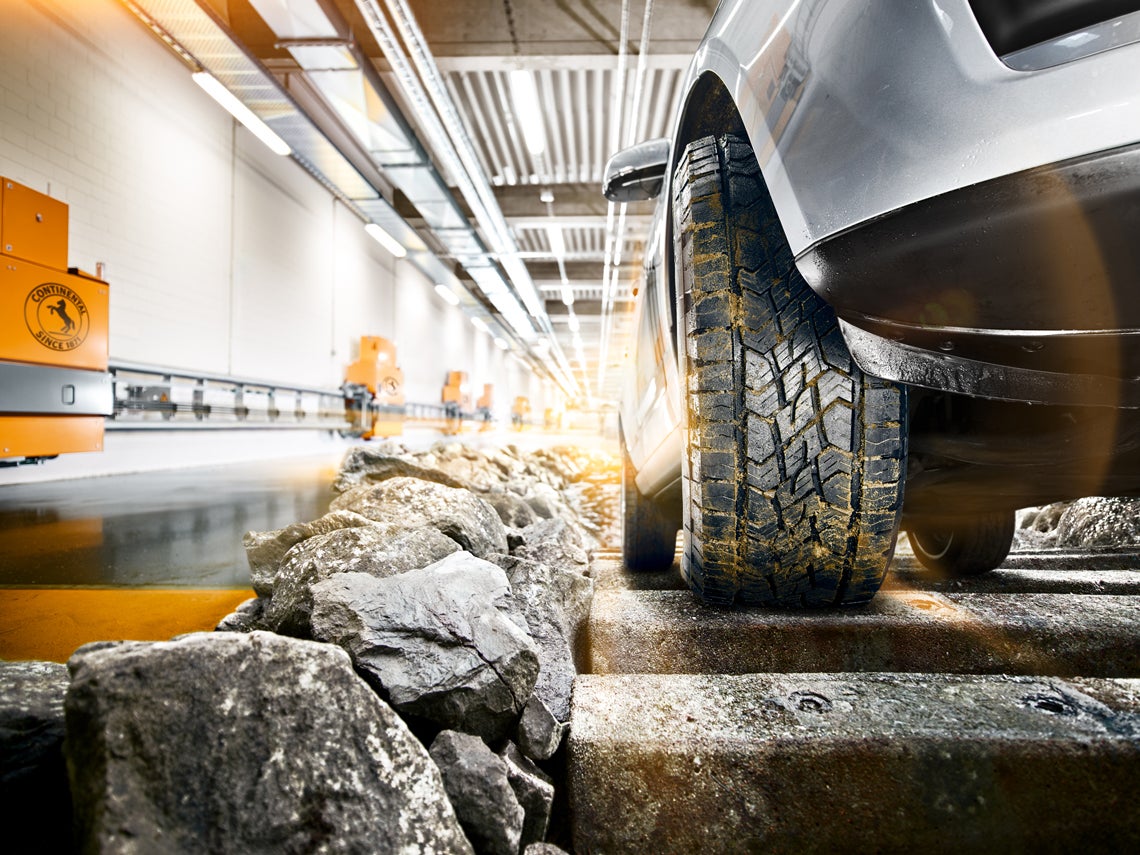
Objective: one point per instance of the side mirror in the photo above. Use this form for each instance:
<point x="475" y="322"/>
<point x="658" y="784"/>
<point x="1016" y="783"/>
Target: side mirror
<point x="636" y="173"/>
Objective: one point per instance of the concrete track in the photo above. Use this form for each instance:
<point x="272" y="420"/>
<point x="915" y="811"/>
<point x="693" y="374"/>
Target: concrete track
<point x="1000" y="714"/>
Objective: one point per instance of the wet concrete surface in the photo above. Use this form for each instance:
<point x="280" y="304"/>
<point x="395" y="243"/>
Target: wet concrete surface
<point x="178" y="528"/>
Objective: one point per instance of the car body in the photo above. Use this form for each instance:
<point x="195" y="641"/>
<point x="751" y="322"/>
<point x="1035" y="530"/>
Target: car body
<point x="959" y="180"/>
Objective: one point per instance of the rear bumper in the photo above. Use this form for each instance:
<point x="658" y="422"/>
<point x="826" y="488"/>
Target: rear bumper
<point x="1025" y="287"/>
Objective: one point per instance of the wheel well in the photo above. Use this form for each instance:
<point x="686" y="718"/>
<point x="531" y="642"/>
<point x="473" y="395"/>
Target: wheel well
<point x="709" y="110"/>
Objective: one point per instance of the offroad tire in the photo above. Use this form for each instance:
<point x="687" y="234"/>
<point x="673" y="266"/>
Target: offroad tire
<point x="793" y="474"/>
<point x="648" y="535"/>
<point x="963" y="547"/>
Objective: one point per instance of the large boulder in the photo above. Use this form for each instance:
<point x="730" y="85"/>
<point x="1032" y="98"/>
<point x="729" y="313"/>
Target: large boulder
<point x="1098" y="521"/>
<point x="245" y="618"/>
<point x="555" y="603"/>
<point x="478" y="783"/>
<point x="372" y="465"/>
<point x="33" y="775"/>
<point x="378" y="550"/>
<point x="230" y="743"/>
<point x="265" y="549"/>
<point x="460" y="514"/>
<point x="441" y="642"/>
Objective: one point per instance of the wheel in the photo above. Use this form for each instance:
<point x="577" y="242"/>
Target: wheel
<point x="963" y="547"/>
<point x="648" y="535"/>
<point x="793" y="474"/>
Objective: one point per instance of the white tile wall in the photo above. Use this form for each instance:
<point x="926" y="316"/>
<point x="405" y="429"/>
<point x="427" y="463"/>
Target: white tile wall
<point x="222" y="256"/>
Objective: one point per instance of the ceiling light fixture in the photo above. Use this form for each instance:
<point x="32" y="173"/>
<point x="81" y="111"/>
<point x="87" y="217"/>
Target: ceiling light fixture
<point x="480" y="325"/>
<point x="501" y="343"/>
<point x="575" y="325"/>
<point x="557" y="241"/>
<point x="447" y="294"/>
<point x="528" y="111"/>
<point x="386" y="240"/>
<point x="242" y="113"/>
<point x="567" y="295"/>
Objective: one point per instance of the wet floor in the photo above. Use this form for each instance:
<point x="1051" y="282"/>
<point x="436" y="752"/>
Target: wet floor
<point x="158" y="529"/>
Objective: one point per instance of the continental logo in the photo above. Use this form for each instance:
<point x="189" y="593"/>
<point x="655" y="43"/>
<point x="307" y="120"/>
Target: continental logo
<point x="56" y="316"/>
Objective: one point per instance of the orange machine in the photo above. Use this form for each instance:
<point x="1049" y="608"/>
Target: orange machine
<point x="520" y="411"/>
<point x="54" y="385"/>
<point x="374" y="390"/>
<point x="485" y="404"/>
<point x="456" y="400"/>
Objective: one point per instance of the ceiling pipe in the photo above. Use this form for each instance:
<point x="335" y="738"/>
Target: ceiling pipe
<point x="451" y="144"/>
<point x="614" y="242"/>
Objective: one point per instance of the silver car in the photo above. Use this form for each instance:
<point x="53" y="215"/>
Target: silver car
<point x="892" y="284"/>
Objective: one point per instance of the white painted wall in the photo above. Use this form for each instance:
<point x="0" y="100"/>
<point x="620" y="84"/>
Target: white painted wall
<point x="222" y="257"/>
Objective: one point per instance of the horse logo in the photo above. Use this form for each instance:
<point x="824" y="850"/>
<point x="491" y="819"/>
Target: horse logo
<point x="56" y="316"/>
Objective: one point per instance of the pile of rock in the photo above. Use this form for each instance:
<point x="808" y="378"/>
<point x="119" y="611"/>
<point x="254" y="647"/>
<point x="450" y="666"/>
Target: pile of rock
<point x="1094" y="522"/>
<point x="402" y="674"/>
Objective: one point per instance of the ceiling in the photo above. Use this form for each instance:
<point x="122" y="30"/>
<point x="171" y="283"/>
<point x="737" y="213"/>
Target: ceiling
<point x="411" y="110"/>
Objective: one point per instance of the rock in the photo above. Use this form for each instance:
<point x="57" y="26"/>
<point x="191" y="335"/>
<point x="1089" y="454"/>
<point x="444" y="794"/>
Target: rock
<point x="378" y="550"/>
<point x="535" y="791"/>
<point x="438" y="642"/>
<point x="545" y="501"/>
<point x="539" y="732"/>
<point x="544" y="849"/>
<point x="478" y="783"/>
<point x="460" y="514"/>
<point x="555" y="602"/>
<point x="265" y="549"/>
<point x="1098" y="521"/>
<point x="558" y="542"/>
<point x="245" y="618"/>
<point x="33" y="776"/>
<point x="371" y="465"/>
<point x="512" y="510"/>
<point x="227" y="743"/>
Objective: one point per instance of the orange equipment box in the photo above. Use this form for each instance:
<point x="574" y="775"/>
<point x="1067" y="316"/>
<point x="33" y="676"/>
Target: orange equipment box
<point x="376" y="370"/>
<point x="54" y="385"/>
<point x="33" y="226"/>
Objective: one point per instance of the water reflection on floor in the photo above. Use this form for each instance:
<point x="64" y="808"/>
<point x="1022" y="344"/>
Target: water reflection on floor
<point x="158" y="529"/>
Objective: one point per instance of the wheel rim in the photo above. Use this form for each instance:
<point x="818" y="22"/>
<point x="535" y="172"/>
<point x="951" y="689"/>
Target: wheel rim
<point x="934" y="543"/>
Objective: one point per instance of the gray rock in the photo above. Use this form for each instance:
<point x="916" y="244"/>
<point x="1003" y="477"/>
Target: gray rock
<point x="545" y="501"/>
<point x="245" y="618"/>
<point x="539" y="732"/>
<point x="555" y="603"/>
<point x="556" y="542"/>
<point x="460" y="514"/>
<point x="376" y="550"/>
<point x="265" y="549"/>
<point x="478" y="783"/>
<point x="438" y="642"/>
<point x="544" y="849"/>
<point x="372" y="465"/>
<point x="1099" y="521"/>
<point x="33" y="777"/>
<point x="227" y="743"/>
<point x="512" y="510"/>
<point x="535" y="791"/>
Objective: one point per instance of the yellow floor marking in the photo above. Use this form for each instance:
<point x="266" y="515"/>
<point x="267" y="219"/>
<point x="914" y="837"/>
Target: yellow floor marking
<point x="50" y="623"/>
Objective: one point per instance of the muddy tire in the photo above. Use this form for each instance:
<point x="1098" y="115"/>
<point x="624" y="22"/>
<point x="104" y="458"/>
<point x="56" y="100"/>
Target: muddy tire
<point x="793" y="474"/>
<point x="648" y="535"/>
<point x="963" y="547"/>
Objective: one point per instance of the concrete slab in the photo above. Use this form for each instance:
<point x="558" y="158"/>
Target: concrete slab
<point x="1049" y="634"/>
<point x="609" y="574"/>
<point x="1030" y="580"/>
<point x="851" y="763"/>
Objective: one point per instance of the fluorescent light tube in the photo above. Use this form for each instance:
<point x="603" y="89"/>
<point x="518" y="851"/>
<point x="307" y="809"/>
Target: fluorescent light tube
<point x="241" y="112"/>
<point x="567" y="295"/>
<point x="447" y="294"/>
<point x="501" y="343"/>
<point x="386" y="240"/>
<point x="528" y="111"/>
<point x="574" y="323"/>
<point x="479" y="325"/>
